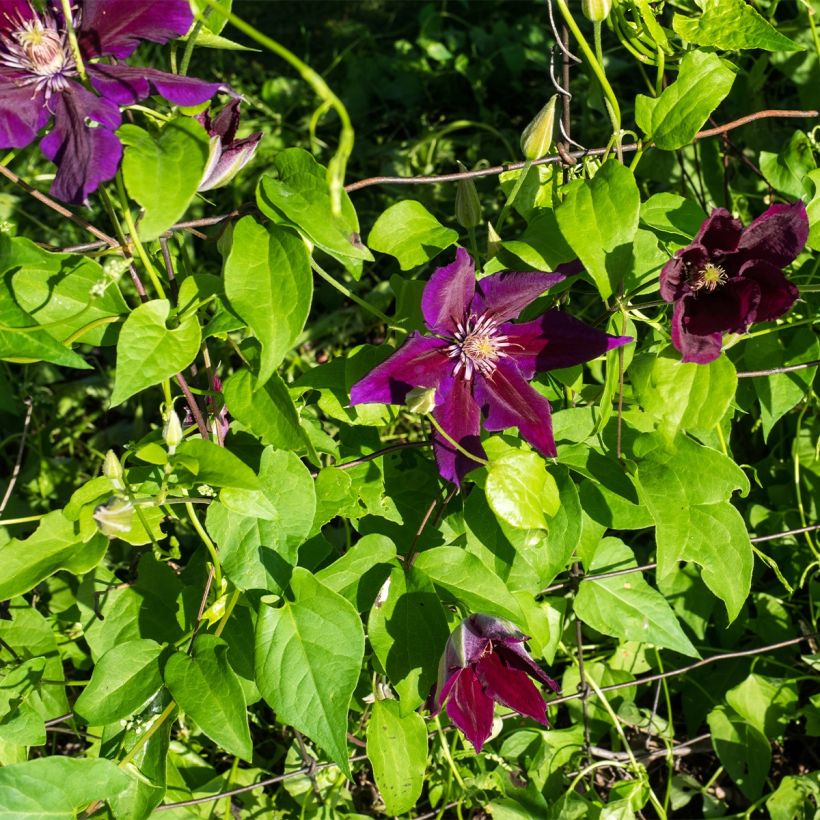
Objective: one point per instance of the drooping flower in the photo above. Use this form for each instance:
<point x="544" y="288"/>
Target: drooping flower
<point x="39" y="80"/>
<point x="484" y="662"/>
<point x="228" y="155"/>
<point x="730" y="277"/>
<point x="479" y="362"/>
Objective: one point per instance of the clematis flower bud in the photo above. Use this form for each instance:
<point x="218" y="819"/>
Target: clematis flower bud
<point x="172" y="434"/>
<point x="468" y="205"/>
<point x="493" y="241"/>
<point x="112" y="470"/>
<point x="228" y="155"/>
<point x="115" y="517"/>
<point x="537" y="137"/>
<point x="421" y="400"/>
<point x="596" y="10"/>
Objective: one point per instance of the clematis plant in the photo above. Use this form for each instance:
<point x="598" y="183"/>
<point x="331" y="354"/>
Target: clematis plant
<point x="227" y="155"/>
<point x="479" y="362"/>
<point x="483" y="663"/>
<point x="43" y="77"/>
<point x="730" y="277"/>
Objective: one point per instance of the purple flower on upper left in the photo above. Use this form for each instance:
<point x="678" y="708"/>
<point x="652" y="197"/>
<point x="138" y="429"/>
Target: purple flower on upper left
<point x="39" y="81"/>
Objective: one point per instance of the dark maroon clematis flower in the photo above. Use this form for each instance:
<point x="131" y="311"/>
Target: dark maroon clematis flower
<point x="730" y="277"/>
<point x="479" y="362"/>
<point x="39" y="80"/>
<point x="228" y="155"/>
<point x="484" y="662"/>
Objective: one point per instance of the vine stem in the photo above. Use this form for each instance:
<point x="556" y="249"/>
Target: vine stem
<point x="350" y="295"/>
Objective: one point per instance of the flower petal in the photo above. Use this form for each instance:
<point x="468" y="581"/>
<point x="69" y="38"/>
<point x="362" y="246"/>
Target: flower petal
<point x="777" y="293"/>
<point x="470" y="708"/>
<point x="730" y="308"/>
<point x="555" y="340"/>
<point x="224" y="163"/>
<point x="777" y="235"/>
<point x="460" y="417"/>
<point x="674" y="275"/>
<point x="126" y="85"/>
<point x="419" y="362"/>
<point x="504" y="295"/>
<point x="23" y="110"/>
<point x="511" y="687"/>
<point x="85" y="156"/>
<point x="224" y="124"/>
<point x="720" y="232"/>
<point x="116" y="27"/>
<point x="512" y="653"/>
<point x="447" y="296"/>
<point x="695" y="348"/>
<point x="508" y="401"/>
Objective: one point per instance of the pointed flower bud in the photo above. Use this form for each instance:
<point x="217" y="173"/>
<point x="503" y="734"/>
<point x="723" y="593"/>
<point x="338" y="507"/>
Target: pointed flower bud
<point x="421" y="400"/>
<point x="468" y="205"/>
<point x="227" y="155"/>
<point x="115" y="517"/>
<point x="537" y="137"/>
<point x="112" y="470"/>
<point x="493" y="241"/>
<point x="172" y="434"/>
<point x="596" y="10"/>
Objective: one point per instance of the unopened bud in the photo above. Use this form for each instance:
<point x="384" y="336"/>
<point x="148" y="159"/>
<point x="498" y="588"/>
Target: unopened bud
<point x="596" y="10"/>
<point x="421" y="400"/>
<point x="468" y="205"/>
<point x="172" y="434"/>
<point x="493" y="241"/>
<point x="115" y="517"/>
<point x="537" y="137"/>
<point x="112" y="470"/>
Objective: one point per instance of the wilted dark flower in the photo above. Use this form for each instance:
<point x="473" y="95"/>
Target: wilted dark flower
<point x="730" y="277"/>
<point x="228" y="155"/>
<point x="484" y="662"/>
<point x="479" y="362"/>
<point x="39" y="79"/>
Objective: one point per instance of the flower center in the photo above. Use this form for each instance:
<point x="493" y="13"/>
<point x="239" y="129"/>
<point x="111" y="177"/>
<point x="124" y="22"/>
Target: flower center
<point x="477" y="346"/>
<point x="37" y="47"/>
<point x="708" y="278"/>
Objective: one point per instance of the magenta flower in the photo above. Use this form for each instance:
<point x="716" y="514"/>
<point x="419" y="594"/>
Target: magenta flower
<point x="39" y="81"/>
<point x="228" y="155"/>
<point x="484" y="662"/>
<point x="730" y="277"/>
<point x="479" y="362"/>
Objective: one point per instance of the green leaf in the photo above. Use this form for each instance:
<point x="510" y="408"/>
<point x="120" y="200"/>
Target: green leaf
<point x="673" y="215"/>
<point x="267" y="411"/>
<point x="162" y="172"/>
<point x="297" y="194"/>
<point x="768" y="704"/>
<point x="520" y="490"/>
<point x="211" y="464"/>
<point x="408" y="231"/>
<point x="788" y="171"/>
<point x="56" y="544"/>
<point x="813" y="212"/>
<point x="742" y="749"/>
<point x="795" y="798"/>
<point x="308" y="660"/>
<point x="397" y="749"/>
<point x="683" y="396"/>
<point x="672" y="120"/>
<point x="258" y="552"/>
<point x="469" y="581"/>
<point x="123" y="679"/>
<point x="731" y="25"/>
<point x="625" y="606"/>
<point x="408" y="631"/>
<point x="599" y="220"/>
<point x="57" y="787"/>
<point x="20" y="721"/>
<point x="269" y="284"/>
<point x="209" y="691"/>
<point x="148" y="351"/>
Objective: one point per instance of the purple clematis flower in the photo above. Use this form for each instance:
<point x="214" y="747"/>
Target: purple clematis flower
<point x="479" y="362"/>
<point x="730" y="277"/>
<point x="228" y="155"/>
<point x="39" y="81"/>
<point x="485" y="662"/>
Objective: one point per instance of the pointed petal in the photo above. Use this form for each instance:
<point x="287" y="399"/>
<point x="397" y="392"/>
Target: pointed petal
<point x="730" y="308"/>
<point x="508" y="401"/>
<point x="511" y="687"/>
<point x="447" y="296"/>
<point x="698" y="349"/>
<point x="470" y="708"/>
<point x="555" y="340"/>
<point x="419" y="362"/>
<point x="225" y="162"/>
<point x="674" y="275"/>
<point x="459" y="416"/>
<point x="116" y="27"/>
<point x="777" y="293"/>
<point x="776" y="236"/>
<point x="504" y="295"/>
<point x="513" y="654"/>
<point x="23" y="110"/>
<point x="126" y="85"/>
<point x="85" y="157"/>
<point x="226" y="122"/>
<point x="720" y="232"/>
